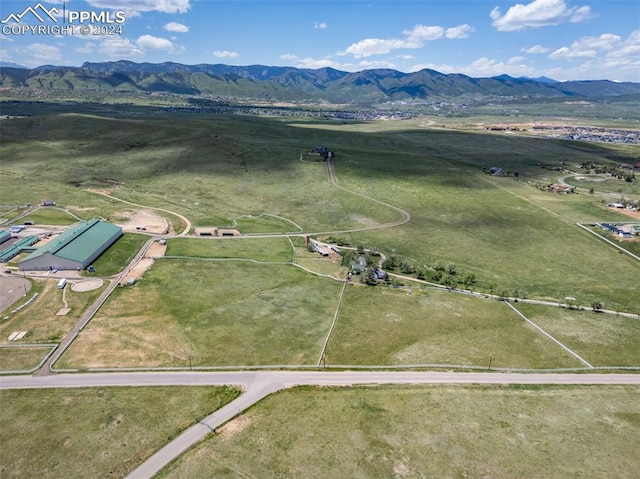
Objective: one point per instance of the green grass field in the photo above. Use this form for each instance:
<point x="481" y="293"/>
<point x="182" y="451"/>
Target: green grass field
<point x="210" y="313"/>
<point x="49" y="216"/>
<point x="119" y="255"/>
<point x="602" y="340"/>
<point x="390" y="327"/>
<point x="20" y="358"/>
<point x="263" y="249"/>
<point x="40" y="320"/>
<point x="437" y="431"/>
<point x="100" y="432"/>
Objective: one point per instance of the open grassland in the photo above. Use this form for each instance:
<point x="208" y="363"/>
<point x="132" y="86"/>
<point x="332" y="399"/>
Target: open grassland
<point x="49" y="216"/>
<point x="211" y="172"/>
<point x="39" y="319"/>
<point x="263" y="224"/>
<point x="511" y="235"/>
<point x="601" y="339"/>
<point x="216" y="168"/>
<point x="101" y="432"/>
<point x="259" y="249"/>
<point x="432" y="431"/>
<point x="209" y="313"/>
<point x="21" y="358"/>
<point x="119" y="255"/>
<point x="390" y="327"/>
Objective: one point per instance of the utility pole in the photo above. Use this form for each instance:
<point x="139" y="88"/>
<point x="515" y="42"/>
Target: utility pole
<point x="490" y="360"/>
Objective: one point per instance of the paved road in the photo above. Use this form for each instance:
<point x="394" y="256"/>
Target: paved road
<point x="258" y="385"/>
<point x="288" y="379"/>
<point x="90" y="312"/>
<point x="12" y="288"/>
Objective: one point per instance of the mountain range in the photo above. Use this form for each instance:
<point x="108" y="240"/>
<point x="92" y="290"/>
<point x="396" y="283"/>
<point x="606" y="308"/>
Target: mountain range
<point x="296" y="84"/>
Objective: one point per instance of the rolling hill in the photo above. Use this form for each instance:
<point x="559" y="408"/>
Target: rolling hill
<point x="297" y="84"/>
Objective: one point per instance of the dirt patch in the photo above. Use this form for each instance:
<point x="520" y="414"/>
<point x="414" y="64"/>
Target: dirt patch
<point x="233" y="427"/>
<point x="107" y="181"/>
<point x="156" y="250"/>
<point x="632" y="214"/>
<point x="80" y="208"/>
<point x="142" y="221"/>
<point x="88" y="285"/>
<point x="63" y="312"/>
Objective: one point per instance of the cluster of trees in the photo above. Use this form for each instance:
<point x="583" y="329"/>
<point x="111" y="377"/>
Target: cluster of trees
<point x="338" y="240"/>
<point x="616" y="171"/>
<point x="444" y="274"/>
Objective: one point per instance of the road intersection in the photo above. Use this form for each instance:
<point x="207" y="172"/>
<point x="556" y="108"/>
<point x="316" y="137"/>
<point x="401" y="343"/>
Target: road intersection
<point x="258" y="385"/>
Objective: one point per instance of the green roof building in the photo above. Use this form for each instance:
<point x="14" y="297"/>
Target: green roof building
<point x="76" y="248"/>
<point x="4" y="236"/>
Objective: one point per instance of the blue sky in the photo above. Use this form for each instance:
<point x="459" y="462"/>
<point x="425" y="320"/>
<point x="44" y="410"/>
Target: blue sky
<point x="561" y="39"/>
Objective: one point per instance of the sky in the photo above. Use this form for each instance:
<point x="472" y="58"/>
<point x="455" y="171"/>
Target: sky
<point x="559" y="39"/>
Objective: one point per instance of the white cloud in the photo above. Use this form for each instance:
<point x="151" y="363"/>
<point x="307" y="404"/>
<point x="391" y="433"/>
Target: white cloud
<point x="88" y="47"/>
<point x="39" y="53"/>
<point x="630" y="48"/>
<point x="136" y="6"/>
<point x="606" y="41"/>
<point x="538" y="13"/>
<point x="535" y="49"/>
<point x="225" y="54"/>
<point x="315" y="63"/>
<point x="414" y="37"/>
<point x="120" y="48"/>
<point x="484" y="67"/>
<point x="461" y="31"/>
<point x="320" y="25"/>
<point x="587" y="47"/>
<point x="422" y="33"/>
<point x="569" y="54"/>
<point x="176" y="27"/>
<point x="149" y="42"/>
<point x="376" y="46"/>
<point x="580" y="14"/>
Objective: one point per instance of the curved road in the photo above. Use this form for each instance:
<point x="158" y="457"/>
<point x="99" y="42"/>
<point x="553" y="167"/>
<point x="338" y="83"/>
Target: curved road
<point x="406" y="216"/>
<point x="182" y="217"/>
<point x="257" y="385"/>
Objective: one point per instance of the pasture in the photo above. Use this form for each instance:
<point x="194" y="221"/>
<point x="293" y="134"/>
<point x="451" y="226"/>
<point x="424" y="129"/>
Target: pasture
<point x="39" y="318"/>
<point x="431" y="431"/>
<point x="602" y="340"/>
<point x="431" y="327"/>
<point x="101" y="432"/>
<point x="213" y="306"/>
<point x="206" y="313"/>
<point x="21" y="358"/>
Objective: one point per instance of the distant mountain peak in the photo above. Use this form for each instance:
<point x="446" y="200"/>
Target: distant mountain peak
<point x="11" y="65"/>
<point x="287" y="83"/>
